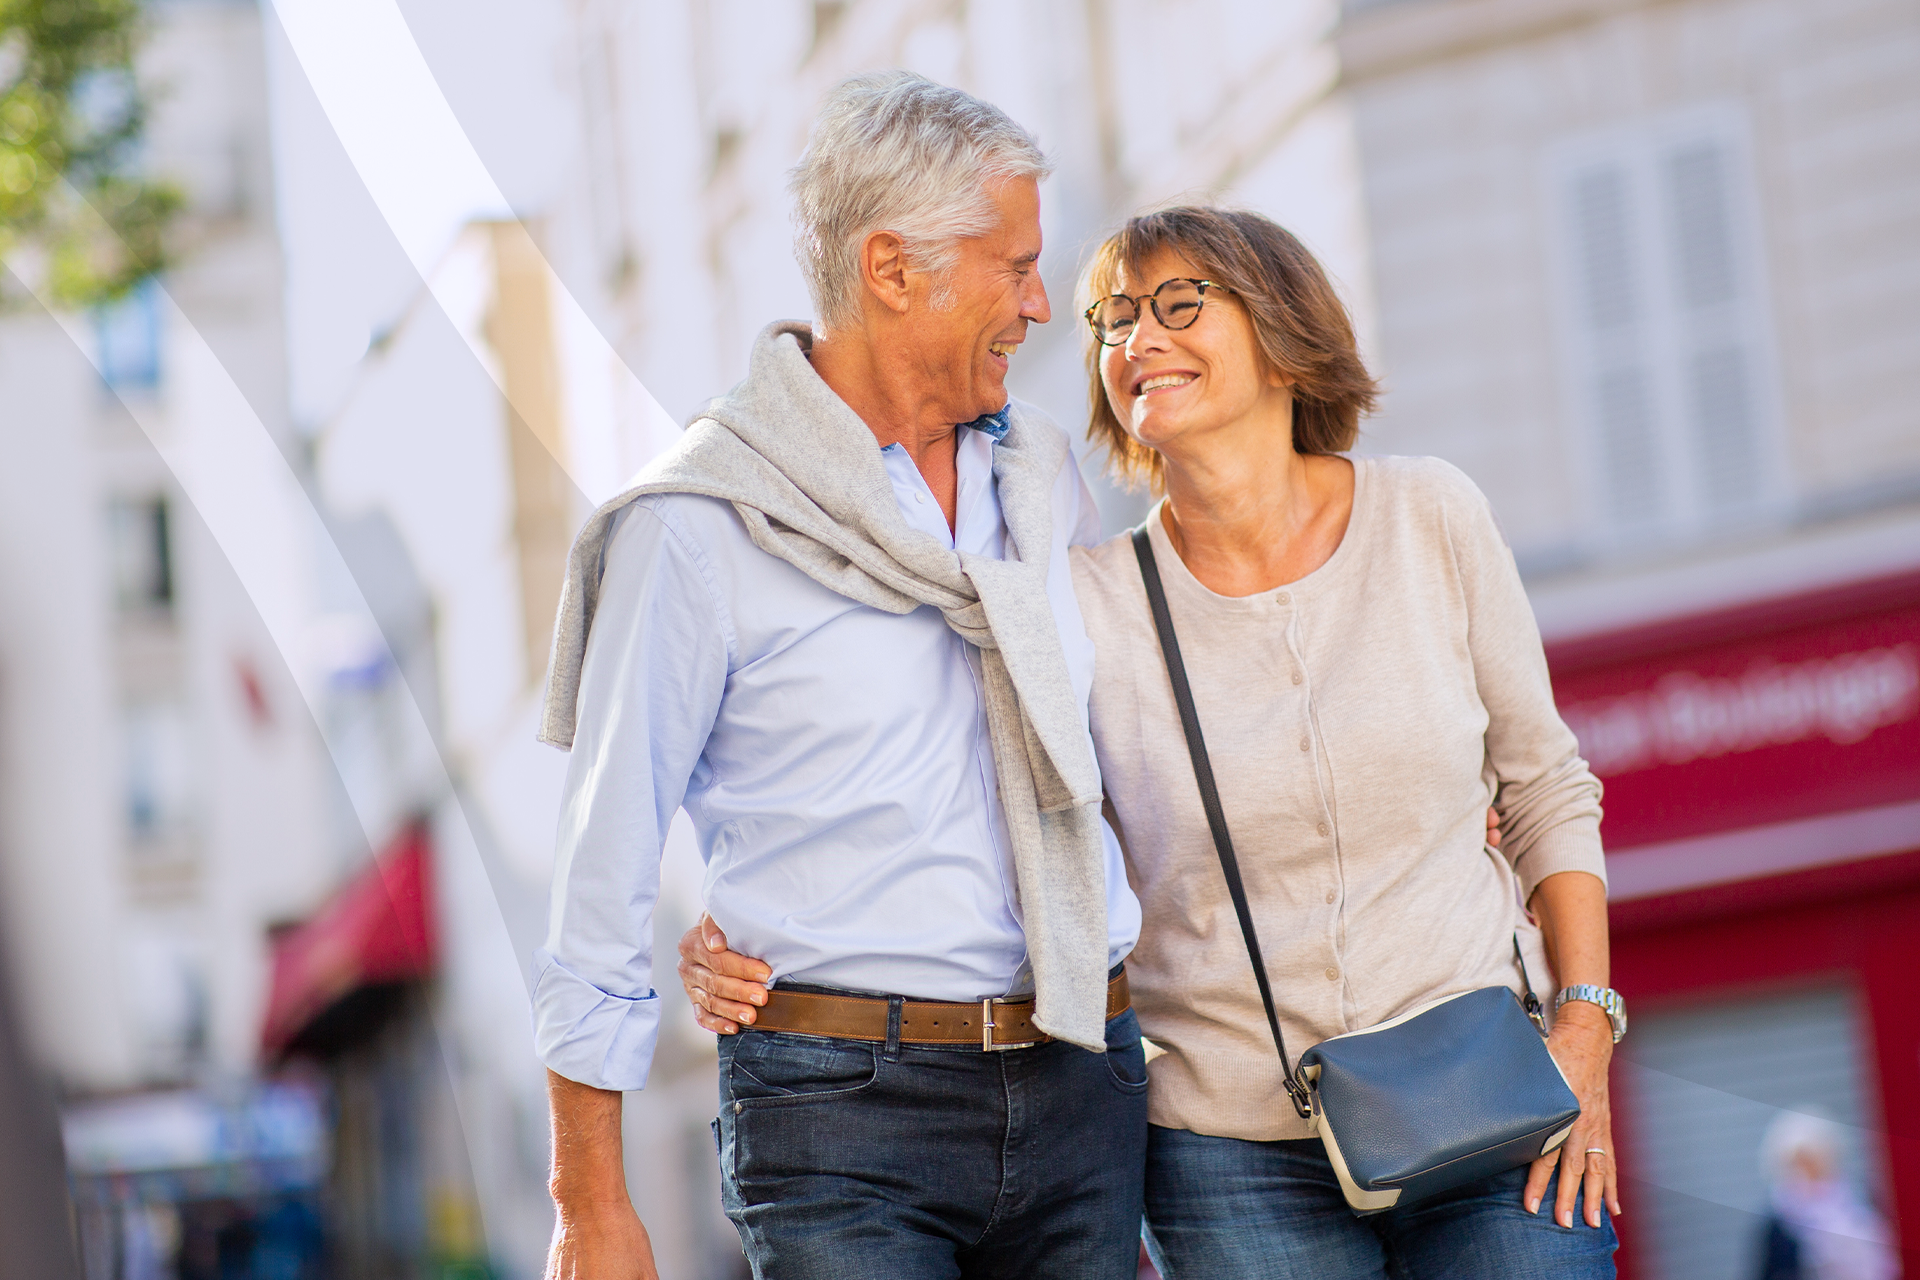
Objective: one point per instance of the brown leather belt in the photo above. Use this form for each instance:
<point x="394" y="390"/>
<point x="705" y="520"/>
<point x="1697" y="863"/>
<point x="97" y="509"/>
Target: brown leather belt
<point x="984" y="1024"/>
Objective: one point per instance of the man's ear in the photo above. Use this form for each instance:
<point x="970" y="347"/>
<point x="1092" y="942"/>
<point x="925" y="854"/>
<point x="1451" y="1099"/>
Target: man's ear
<point x="883" y="269"/>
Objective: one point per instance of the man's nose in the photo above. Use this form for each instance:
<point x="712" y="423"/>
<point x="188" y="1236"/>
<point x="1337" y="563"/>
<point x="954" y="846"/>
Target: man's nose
<point x="1034" y="306"/>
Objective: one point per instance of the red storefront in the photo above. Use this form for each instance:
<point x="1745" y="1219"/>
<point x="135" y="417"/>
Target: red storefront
<point x="1762" y="767"/>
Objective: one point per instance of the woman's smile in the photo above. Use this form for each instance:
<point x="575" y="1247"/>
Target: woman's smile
<point x="1163" y="382"/>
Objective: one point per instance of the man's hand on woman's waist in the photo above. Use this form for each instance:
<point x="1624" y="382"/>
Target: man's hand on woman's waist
<point x="725" y="987"/>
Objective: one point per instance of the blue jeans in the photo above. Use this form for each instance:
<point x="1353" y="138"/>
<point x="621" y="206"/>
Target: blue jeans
<point x="1226" y="1209"/>
<point x="842" y="1161"/>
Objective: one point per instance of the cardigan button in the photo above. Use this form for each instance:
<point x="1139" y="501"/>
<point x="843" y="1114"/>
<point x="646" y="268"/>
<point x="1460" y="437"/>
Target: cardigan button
<point x="1325" y="830"/>
<point x="1297" y="677"/>
<point x="1333" y="974"/>
<point x="1306" y="744"/>
<point x="1283" y="598"/>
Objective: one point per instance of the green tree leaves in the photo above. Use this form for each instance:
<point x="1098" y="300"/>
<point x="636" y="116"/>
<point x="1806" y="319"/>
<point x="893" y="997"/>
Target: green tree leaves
<point x="71" y="118"/>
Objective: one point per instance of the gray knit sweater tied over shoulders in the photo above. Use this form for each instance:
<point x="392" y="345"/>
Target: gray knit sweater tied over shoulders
<point x="804" y="473"/>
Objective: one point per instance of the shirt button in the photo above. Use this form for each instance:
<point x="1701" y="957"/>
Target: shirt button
<point x="1324" y="829"/>
<point x="1306" y="744"/>
<point x="1283" y="598"/>
<point x="919" y="497"/>
<point x="1297" y="677"/>
<point x="1333" y="974"/>
<point x="1330" y="895"/>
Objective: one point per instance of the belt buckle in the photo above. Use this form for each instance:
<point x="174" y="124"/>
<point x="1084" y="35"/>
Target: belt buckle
<point x="987" y="1025"/>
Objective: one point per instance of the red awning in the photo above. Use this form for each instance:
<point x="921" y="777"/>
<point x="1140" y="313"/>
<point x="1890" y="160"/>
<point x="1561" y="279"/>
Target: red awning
<point x="377" y="929"/>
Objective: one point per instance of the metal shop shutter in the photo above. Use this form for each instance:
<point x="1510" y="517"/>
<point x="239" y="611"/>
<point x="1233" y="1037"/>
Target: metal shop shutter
<point x="1701" y="1085"/>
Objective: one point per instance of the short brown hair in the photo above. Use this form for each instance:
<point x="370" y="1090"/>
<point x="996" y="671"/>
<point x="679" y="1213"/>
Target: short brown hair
<point x="1299" y="323"/>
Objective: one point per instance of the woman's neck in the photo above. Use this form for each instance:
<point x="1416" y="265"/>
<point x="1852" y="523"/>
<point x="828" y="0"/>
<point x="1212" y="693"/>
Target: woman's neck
<point x="1250" y="515"/>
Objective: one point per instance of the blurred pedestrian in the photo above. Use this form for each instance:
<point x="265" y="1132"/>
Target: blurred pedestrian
<point x="837" y="622"/>
<point x="1818" y="1227"/>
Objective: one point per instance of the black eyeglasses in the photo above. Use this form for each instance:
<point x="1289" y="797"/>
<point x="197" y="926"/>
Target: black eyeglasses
<point x="1176" y="304"/>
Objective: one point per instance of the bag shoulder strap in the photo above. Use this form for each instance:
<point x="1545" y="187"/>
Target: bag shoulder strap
<point x="1210" y="799"/>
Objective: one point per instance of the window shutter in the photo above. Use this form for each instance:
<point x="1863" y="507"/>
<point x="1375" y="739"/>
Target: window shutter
<point x="1712" y="303"/>
<point x="1609" y="277"/>
<point x="1665" y="336"/>
<point x="1698" y="1088"/>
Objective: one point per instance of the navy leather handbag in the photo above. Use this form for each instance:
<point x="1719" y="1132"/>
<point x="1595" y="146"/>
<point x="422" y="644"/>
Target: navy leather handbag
<point x="1454" y="1091"/>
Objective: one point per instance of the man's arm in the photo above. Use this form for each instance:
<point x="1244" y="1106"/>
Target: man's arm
<point x="727" y="988"/>
<point x="596" y="1233"/>
<point x="650" y="689"/>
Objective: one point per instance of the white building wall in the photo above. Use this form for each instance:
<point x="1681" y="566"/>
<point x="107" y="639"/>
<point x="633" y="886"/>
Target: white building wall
<point x="60" y="805"/>
<point x="1460" y="105"/>
<point x="142" y="957"/>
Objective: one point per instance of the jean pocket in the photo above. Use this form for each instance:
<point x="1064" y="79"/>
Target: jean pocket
<point x="1126" y="1056"/>
<point x="781" y="1068"/>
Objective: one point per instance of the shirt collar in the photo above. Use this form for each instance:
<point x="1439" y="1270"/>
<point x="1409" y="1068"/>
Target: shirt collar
<point x="995" y="424"/>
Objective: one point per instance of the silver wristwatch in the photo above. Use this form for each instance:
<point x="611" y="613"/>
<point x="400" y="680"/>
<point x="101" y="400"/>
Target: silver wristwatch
<point x="1606" y="997"/>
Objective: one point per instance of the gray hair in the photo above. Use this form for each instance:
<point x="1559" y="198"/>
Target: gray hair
<point x="893" y="151"/>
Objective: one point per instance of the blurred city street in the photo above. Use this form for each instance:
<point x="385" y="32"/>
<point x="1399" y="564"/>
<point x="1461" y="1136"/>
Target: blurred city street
<point x="284" y="519"/>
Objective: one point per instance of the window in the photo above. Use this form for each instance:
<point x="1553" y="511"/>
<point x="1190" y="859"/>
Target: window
<point x="141" y="538"/>
<point x="157" y="765"/>
<point x="1663" y="317"/>
<point x="127" y="332"/>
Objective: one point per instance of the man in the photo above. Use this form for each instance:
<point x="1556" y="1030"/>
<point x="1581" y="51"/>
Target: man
<point x="840" y="628"/>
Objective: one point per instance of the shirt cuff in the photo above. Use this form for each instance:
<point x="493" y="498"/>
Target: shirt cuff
<point x="1572" y="846"/>
<point x="587" y="1035"/>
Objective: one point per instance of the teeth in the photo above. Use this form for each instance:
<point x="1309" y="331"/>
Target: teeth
<point x="1003" y="348"/>
<point x="1165" y="380"/>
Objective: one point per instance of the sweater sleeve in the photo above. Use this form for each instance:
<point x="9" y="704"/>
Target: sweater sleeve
<point x="1547" y="798"/>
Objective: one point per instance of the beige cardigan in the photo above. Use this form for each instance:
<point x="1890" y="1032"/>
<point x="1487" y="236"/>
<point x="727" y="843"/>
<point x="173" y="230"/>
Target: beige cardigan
<point x="1360" y="721"/>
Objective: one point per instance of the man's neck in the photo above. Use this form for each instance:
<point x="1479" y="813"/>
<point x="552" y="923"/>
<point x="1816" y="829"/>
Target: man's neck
<point x="895" y="408"/>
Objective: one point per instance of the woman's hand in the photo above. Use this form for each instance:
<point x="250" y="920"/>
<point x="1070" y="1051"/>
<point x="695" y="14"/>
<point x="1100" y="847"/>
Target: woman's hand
<point x="725" y="987"/>
<point x="1582" y="1043"/>
<point x="1572" y="909"/>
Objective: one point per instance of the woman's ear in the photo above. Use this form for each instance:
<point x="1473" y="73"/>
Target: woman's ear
<point x="883" y="269"/>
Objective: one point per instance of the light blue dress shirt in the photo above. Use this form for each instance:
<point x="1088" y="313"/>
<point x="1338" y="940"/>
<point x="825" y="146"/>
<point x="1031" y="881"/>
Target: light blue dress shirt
<point x="834" y="760"/>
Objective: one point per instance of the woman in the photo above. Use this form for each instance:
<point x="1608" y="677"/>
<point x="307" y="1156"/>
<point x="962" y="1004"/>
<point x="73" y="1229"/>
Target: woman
<point x="1818" y="1225"/>
<point x="1369" y="679"/>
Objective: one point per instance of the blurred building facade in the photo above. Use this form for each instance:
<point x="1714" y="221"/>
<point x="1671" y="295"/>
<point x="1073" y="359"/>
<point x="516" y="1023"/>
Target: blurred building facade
<point x="253" y="943"/>
<point x="1648" y="272"/>
<point x="164" y="799"/>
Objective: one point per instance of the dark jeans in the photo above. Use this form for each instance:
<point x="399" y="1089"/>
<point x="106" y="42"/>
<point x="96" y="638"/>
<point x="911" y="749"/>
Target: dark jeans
<point x="841" y="1161"/>
<point x="1225" y="1209"/>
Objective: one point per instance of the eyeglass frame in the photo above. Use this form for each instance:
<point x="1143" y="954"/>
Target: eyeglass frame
<point x="1152" y="301"/>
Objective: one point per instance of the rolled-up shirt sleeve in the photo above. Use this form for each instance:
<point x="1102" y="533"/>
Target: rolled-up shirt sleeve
<point x="656" y="666"/>
<point x="1547" y="797"/>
